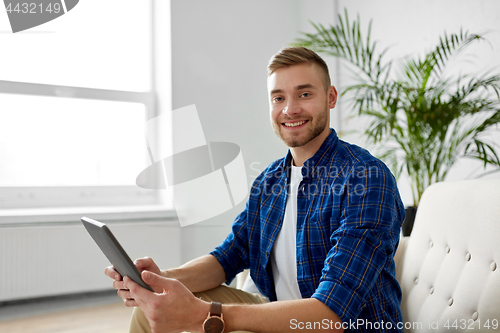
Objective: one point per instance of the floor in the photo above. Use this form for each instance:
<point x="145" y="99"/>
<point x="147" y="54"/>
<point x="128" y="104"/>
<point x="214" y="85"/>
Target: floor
<point x="96" y="313"/>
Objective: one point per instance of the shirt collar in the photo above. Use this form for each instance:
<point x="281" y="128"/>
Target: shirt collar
<point x="318" y="159"/>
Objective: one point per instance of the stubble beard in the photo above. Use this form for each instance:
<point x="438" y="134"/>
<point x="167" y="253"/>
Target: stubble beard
<point x="315" y="128"/>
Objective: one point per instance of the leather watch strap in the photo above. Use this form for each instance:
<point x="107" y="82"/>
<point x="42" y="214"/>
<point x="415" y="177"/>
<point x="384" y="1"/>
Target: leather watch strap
<point x="214" y="322"/>
<point x="215" y="309"/>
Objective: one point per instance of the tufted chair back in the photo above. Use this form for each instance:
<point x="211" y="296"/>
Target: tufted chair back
<point x="449" y="268"/>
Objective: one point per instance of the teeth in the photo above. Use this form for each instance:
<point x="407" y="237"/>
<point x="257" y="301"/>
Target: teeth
<point x="294" y="124"/>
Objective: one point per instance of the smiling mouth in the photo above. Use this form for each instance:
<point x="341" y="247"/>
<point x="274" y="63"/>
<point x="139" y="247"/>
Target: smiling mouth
<point x="295" y="124"/>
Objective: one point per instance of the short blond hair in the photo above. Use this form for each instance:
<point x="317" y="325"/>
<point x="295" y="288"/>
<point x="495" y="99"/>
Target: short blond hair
<point x="290" y="56"/>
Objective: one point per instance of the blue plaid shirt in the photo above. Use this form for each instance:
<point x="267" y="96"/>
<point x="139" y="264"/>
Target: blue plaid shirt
<point x="349" y="214"/>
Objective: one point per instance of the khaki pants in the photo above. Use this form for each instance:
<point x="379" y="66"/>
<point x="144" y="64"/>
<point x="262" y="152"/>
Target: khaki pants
<point x="222" y="294"/>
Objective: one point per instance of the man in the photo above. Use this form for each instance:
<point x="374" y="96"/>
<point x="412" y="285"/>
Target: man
<point x="318" y="233"/>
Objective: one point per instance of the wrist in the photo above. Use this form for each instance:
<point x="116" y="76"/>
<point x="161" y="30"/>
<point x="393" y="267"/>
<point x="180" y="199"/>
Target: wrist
<point x="172" y="273"/>
<point x="179" y="275"/>
<point x="200" y="316"/>
<point x="231" y="319"/>
<point x="165" y="273"/>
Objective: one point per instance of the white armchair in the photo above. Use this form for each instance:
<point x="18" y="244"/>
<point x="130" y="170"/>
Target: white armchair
<point x="449" y="268"/>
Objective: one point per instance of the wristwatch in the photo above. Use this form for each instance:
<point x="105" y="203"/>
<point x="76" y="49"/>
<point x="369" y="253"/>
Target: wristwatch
<point x="214" y="322"/>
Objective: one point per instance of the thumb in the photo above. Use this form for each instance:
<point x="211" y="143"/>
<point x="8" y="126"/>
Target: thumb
<point x="157" y="282"/>
<point x="144" y="263"/>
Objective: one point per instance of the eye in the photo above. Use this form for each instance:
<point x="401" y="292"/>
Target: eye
<point x="277" y="99"/>
<point x="306" y="94"/>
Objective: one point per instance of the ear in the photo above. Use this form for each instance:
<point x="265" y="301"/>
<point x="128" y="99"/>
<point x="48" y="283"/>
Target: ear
<point x="332" y="97"/>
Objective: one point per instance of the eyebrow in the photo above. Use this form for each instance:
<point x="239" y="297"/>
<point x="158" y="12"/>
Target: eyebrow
<point x="304" y="86"/>
<point x="299" y="87"/>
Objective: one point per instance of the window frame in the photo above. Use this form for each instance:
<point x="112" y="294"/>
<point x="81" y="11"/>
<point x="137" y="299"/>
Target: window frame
<point x="16" y="200"/>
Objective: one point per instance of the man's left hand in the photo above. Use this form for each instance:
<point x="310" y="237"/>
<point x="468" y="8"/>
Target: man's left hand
<point x="173" y="310"/>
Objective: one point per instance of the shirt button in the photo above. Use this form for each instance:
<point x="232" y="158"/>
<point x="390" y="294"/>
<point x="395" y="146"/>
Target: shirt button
<point x="267" y="254"/>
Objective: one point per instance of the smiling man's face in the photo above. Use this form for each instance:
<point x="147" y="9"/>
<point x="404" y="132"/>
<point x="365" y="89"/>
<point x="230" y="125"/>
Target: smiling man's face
<point x="299" y="105"/>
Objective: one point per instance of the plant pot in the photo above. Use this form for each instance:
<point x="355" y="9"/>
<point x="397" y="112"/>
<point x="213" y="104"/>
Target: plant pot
<point x="407" y="226"/>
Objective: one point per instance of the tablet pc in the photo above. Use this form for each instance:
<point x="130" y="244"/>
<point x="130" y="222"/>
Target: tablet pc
<point x="113" y="250"/>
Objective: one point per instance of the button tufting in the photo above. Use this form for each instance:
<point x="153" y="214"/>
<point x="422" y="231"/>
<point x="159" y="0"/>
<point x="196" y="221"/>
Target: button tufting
<point x="467" y="256"/>
<point x="475" y="315"/>
<point x="450" y="302"/>
<point x="431" y="291"/>
<point x="493" y="266"/>
<point x="431" y="244"/>
<point x="416" y="280"/>
<point x="447" y="249"/>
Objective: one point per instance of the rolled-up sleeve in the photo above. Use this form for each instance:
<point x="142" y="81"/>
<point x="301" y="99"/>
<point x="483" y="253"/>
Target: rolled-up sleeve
<point x="232" y="253"/>
<point x="364" y="243"/>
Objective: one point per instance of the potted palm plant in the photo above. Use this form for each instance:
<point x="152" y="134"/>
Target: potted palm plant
<point x="421" y="121"/>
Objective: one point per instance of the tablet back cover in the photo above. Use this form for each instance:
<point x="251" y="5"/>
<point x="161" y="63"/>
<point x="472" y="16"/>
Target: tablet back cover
<point x="108" y="244"/>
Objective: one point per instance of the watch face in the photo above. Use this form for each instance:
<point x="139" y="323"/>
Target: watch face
<point x="213" y="325"/>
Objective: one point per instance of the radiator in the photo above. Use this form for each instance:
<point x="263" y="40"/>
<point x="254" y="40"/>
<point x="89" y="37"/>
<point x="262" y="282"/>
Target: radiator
<point x="57" y="259"/>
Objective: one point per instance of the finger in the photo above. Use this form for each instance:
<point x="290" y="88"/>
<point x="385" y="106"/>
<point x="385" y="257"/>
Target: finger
<point x="112" y="273"/>
<point x="158" y="282"/>
<point x="130" y="303"/>
<point x="152" y="279"/>
<point x="124" y="294"/>
<point x="138" y="293"/>
<point x="118" y="285"/>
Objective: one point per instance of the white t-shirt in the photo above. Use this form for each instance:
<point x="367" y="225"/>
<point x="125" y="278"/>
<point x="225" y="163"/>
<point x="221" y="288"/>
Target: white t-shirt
<point x="284" y="252"/>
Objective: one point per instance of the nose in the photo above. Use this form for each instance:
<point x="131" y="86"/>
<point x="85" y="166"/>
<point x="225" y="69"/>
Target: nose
<point x="291" y="109"/>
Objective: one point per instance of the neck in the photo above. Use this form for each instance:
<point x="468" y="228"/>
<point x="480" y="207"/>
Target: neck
<point x="305" y="152"/>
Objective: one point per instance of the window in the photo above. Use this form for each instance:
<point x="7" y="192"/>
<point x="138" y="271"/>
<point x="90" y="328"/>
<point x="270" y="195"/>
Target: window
<point x="98" y="44"/>
<point x="75" y="94"/>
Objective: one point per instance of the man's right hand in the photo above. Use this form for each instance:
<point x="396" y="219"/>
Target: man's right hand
<point x="143" y="264"/>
